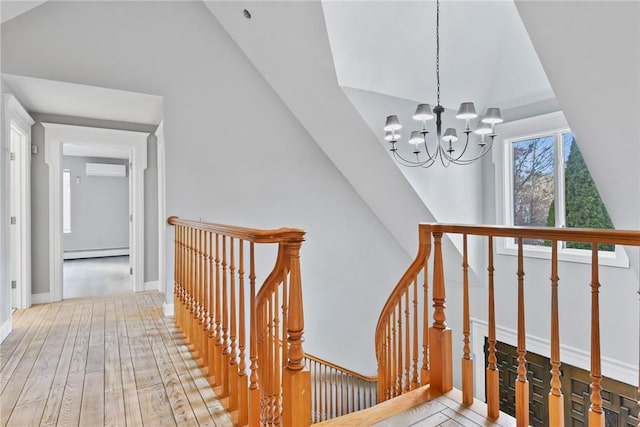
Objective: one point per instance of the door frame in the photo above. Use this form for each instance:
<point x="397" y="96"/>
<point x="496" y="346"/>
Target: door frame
<point x="16" y="116"/>
<point x="136" y="142"/>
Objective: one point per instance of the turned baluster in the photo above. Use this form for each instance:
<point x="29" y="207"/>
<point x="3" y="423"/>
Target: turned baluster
<point x="254" y="391"/>
<point x="233" y="344"/>
<point x="414" y="380"/>
<point x="596" y="414"/>
<point x="407" y="350"/>
<point x="492" y="375"/>
<point x="556" y="403"/>
<point x="218" y="315"/>
<point x="467" y="362"/>
<point x="211" y="328"/>
<point x="522" y="384"/>
<point x="177" y="280"/>
<point x="243" y="403"/>
<point x="226" y="352"/>
<point x="425" y="376"/>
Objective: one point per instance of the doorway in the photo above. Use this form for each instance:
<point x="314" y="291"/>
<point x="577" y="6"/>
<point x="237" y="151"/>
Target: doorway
<point x="96" y="212"/>
<point x="133" y="143"/>
<point x="18" y="134"/>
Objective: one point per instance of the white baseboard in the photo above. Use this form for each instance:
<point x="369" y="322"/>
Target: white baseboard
<point x="98" y="253"/>
<point x="5" y="329"/>
<point x="42" y="298"/>
<point x="167" y="309"/>
<point x="152" y="286"/>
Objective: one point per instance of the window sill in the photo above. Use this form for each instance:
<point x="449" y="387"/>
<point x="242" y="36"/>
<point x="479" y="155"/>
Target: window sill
<point x="616" y="259"/>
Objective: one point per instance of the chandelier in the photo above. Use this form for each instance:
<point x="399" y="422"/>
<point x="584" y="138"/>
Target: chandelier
<point x="447" y="149"/>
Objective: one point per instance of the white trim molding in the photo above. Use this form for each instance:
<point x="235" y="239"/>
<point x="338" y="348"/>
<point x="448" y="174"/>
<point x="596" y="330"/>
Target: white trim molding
<point x="97" y="253"/>
<point x="5" y="329"/>
<point x="167" y="309"/>
<point x="612" y="368"/>
<point x="162" y="212"/>
<point x="152" y="286"/>
<point x="43" y="298"/>
<point x="136" y="143"/>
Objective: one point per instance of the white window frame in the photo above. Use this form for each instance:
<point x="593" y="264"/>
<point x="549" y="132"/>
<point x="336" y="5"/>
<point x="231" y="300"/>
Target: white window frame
<point x="66" y="202"/>
<point x="549" y="124"/>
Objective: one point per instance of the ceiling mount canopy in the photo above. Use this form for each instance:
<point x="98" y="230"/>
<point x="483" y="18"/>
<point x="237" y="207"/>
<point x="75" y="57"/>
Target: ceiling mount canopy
<point x="446" y="147"/>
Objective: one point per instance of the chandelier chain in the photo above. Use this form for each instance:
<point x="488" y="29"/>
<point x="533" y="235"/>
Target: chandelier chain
<point x="438" y="48"/>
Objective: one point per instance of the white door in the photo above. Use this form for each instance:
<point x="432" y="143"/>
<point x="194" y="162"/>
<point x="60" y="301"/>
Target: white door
<point x="18" y="143"/>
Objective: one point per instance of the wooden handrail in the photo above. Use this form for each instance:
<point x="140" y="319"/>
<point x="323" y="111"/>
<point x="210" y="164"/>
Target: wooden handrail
<point x="254" y="235"/>
<point x="210" y="305"/>
<point x="394" y="324"/>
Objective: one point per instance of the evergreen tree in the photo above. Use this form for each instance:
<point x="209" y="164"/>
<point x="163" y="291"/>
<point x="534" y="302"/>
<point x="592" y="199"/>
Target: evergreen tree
<point x="584" y="207"/>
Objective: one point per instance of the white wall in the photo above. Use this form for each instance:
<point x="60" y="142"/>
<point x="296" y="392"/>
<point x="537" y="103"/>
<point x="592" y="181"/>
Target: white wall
<point x="99" y="207"/>
<point x="234" y="151"/>
<point x="5" y="258"/>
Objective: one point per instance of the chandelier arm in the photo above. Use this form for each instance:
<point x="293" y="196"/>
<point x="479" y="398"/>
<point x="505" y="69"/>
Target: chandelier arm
<point x="466" y="145"/>
<point x="486" y="149"/>
<point x="411" y="163"/>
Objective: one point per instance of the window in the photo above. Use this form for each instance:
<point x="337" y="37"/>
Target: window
<point x="66" y="201"/>
<point x="545" y="182"/>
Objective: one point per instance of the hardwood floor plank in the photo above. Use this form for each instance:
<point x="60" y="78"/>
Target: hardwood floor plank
<point x="27" y="415"/>
<point x="52" y="408"/>
<point x="62" y="370"/>
<point x="72" y="400"/>
<point x="112" y="361"/>
<point x="155" y="407"/>
<point x="35" y="389"/>
<point x="114" y="413"/>
<point x="92" y="410"/>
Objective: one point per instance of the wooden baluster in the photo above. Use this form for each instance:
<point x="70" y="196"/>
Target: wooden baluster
<point x="596" y="414"/>
<point x="254" y="391"/>
<point x="225" y="322"/>
<point x="400" y="370"/>
<point x="556" y="400"/>
<point x="407" y="349"/>
<point x="194" y="294"/>
<point x="467" y="362"/>
<point x="203" y="303"/>
<point x="270" y="361"/>
<point x="189" y="309"/>
<point x="389" y="363"/>
<point x="414" y="381"/>
<point x="440" y="334"/>
<point x="277" y="403"/>
<point x="177" y="281"/>
<point x="183" y="270"/>
<point x="195" y="317"/>
<point x="211" y="343"/>
<point x="393" y="357"/>
<point x="492" y="375"/>
<point x="233" y="344"/>
<point x="285" y="316"/>
<point x="425" y="374"/>
<point x="522" y="384"/>
<point x="243" y="414"/>
<point x="327" y="407"/>
<point x="296" y="380"/>
<point x="218" y="317"/>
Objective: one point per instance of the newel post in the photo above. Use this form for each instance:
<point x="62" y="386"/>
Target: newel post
<point x="439" y="334"/>
<point x="296" y="380"/>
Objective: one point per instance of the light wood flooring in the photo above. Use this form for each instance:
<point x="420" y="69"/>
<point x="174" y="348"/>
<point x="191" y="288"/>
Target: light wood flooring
<point x="113" y="361"/>
<point x="95" y="277"/>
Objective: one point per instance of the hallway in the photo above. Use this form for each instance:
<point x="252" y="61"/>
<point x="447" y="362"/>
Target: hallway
<point x="102" y="361"/>
<point x="96" y="277"/>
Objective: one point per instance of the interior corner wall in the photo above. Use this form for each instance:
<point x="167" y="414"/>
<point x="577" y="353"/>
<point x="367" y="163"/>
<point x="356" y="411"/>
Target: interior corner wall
<point x="99" y="207"/>
<point x="40" y="197"/>
<point x="234" y="152"/>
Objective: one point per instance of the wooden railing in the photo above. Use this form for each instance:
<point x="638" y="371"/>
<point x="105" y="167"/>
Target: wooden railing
<point x="411" y="354"/>
<point x="215" y="287"/>
<point x="337" y="391"/>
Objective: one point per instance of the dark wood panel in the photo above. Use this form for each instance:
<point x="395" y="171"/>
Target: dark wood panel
<point x="619" y="399"/>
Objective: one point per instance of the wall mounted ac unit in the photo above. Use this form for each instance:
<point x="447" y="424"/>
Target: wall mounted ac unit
<point x="105" y="169"/>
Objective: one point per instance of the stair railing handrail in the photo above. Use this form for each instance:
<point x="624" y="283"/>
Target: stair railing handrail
<point x="209" y="300"/>
<point x="397" y="337"/>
